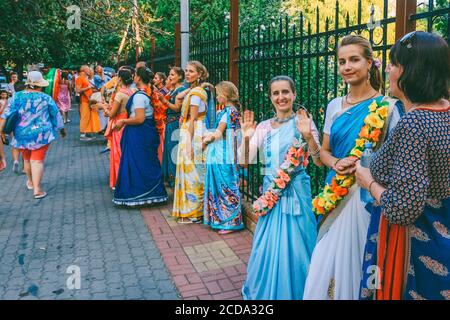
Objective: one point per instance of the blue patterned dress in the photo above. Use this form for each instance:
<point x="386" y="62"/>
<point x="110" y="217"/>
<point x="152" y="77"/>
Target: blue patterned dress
<point x="222" y="196"/>
<point x="414" y="166"/>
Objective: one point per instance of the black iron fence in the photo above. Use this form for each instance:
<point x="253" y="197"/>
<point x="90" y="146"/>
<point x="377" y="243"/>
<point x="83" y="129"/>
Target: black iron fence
<point x="305" y="49"/>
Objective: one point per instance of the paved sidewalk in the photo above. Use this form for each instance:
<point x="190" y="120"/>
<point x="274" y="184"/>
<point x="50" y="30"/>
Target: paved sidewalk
<point x="75" y="225"/>
<point x="204" y="265"/>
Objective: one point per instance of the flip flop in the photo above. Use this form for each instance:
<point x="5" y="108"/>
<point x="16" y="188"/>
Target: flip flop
<point x="28" y="186"/>
<point x="40" y="196"/>
<point x="184" y="221"/>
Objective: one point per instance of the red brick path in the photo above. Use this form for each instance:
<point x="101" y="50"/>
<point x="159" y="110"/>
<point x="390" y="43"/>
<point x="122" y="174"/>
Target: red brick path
<point x="203" y="264"/>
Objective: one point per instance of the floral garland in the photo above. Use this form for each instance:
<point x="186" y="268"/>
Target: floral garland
<point x="333" y="194"/>
<point x="295" y="156"/>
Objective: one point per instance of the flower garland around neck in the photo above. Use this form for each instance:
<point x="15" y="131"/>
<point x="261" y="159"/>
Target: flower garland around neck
<point x="295" y="156"/>
<point x="333" y="194"/>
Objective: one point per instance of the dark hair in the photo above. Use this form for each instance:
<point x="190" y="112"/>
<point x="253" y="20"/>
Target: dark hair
<point x="65" y="75"/>
<point x="179" y="72"/>
<point x="375" y="75"/>
<point x="425" y="58"/>
<point x="126" y="76"/>
<point x="145" y="74"/>
<point x="162" y="76"/>
<point x="19" y="86"/>
<point x="4" y="91"/>
<point x="282" y="78"/>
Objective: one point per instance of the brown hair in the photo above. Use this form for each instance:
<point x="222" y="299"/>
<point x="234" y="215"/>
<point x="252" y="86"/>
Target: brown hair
<point x="179" y="72"/>
<point x="375" y="75"/>
<point x="230" y="91"/>
<point x="201" y="69"/>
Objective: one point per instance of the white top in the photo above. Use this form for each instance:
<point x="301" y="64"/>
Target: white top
<point x="196" y="101"/>
<point x="333" y="109"/>
<point x="141" y="101"/>
<point x="265" y="127"/>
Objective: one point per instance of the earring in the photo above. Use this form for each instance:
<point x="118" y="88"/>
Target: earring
<point x="368" y="76"/>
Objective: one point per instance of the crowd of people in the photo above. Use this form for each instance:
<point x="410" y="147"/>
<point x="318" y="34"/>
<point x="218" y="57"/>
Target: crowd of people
<point x="184" y="133"/>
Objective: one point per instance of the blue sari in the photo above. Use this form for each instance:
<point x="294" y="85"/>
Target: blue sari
<point x="335" y="270"/>
<point x="139" y="181"/>
<point x="171" y="138"/>
<point x="284" y="239"/>
<point x="222" y="196"/>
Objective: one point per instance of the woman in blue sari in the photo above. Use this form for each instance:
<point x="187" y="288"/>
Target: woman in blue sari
<point x="335" y="270"/>
<point x="409" y="177"/>
<point x="139" y="181"/>
<point x="285" y="237"/>
<point x="222" y="196"/>
<point x="172" y="131"/>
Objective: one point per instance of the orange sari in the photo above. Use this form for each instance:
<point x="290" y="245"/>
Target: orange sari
<point x="114" y="137"/>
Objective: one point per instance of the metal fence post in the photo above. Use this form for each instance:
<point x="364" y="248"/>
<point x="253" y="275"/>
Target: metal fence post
<point x="234" y="42"/>
<point x="177" y="45"/>
<point x="403" y="24"/>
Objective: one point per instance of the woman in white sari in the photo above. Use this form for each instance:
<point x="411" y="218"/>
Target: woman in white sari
<point x="336" y="265"/>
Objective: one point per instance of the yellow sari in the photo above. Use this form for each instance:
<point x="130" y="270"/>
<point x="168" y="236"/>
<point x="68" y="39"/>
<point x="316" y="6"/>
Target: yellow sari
<point x="190" y="175"/>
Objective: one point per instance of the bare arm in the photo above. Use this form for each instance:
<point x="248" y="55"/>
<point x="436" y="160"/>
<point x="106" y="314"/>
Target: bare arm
<point x="344" y="166"/>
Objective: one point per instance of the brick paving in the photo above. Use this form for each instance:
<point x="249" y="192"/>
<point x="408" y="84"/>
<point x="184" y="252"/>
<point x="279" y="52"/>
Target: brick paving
<point x="76" y="224"/>
<point x="122" y="254"/>
<point x="204" y="265"/>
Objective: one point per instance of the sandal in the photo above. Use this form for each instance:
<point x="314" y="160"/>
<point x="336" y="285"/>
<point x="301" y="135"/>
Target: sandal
<point x="30" y="187"/>
<point x="40" y="195"/>
<point x="223" y="232"/>
<point x="196" y="220"/>
<point x="183" y="221"/>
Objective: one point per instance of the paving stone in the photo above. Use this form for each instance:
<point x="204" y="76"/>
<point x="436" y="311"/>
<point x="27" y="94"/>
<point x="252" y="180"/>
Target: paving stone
<point x="75" y="225"/>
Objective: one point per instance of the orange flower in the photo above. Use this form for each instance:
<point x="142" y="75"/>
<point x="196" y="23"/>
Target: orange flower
<point x="264" y="202"/>
<point x="375" y="134"/>
<point x="283" y="175"/>
<point x="280" y="183"/>
<point x="364" y="133"/>
<point x="320" y="210"/>
<point x="292" y="151"/>
<point x="316" y="203"/>
<point x="292" y="160"/>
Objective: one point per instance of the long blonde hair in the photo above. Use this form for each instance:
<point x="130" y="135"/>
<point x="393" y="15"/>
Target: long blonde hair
<point x="201" y="69"/>
<point x="230" y="91"/>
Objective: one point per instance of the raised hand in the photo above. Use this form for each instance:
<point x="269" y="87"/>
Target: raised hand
<point x="304" y="124"/>
<point x="248" y="124"/>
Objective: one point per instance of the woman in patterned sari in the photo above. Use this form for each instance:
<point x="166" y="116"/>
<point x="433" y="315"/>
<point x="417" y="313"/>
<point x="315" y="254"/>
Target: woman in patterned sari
<point x="335" y="270"/>
<point x="222" y="196"/>
<point x="190" y="174"/>
<point x="409" y="177"/>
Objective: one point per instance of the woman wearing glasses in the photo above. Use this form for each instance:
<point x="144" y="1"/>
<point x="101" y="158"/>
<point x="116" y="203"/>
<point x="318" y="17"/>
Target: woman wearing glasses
<point x="409" y="177"/>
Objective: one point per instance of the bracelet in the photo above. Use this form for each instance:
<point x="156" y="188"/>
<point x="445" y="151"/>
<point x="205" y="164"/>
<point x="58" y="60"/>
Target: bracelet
<point x="370" y="187"/>
<point x="334" y="165"/>
<point x="316" y="152"/>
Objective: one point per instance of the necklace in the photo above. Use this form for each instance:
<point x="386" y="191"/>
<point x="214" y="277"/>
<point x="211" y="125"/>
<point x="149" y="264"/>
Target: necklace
<point x="283" y="120"/>
<point x="352" y="104"/>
